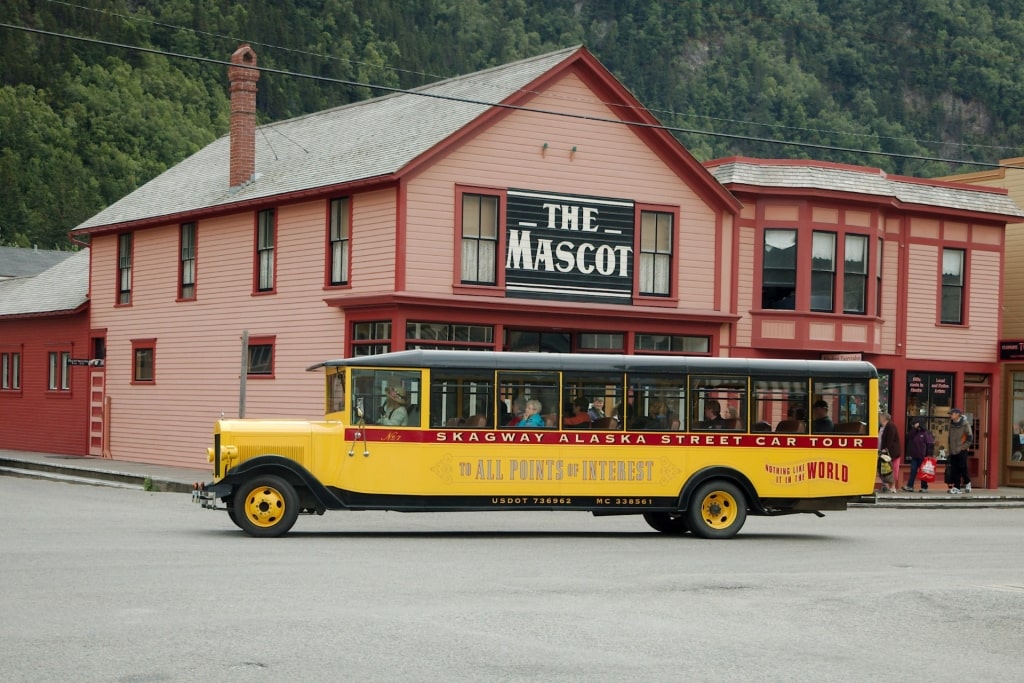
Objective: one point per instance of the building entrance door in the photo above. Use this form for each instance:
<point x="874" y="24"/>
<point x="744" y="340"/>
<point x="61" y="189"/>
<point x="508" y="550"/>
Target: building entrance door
<point x="977" y="408"/>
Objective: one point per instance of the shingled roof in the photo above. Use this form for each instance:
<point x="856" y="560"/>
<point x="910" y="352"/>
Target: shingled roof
<point x="810" y="175"/>
<point x="357" y="141"/>
<point x="62" y="288"/>
<point x="22" y="262"/>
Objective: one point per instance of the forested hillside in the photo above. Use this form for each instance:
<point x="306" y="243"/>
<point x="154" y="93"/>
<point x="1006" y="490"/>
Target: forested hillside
<point x="84" y="122"/>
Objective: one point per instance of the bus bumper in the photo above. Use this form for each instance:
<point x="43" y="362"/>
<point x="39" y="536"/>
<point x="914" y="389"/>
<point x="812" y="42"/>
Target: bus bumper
<point x="206" y="495"/>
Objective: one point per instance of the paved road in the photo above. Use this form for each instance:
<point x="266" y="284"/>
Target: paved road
<point x="108" y="584"/>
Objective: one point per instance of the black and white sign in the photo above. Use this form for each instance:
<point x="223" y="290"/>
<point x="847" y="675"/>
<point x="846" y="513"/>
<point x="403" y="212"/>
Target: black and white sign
<point x="569" y="247"/>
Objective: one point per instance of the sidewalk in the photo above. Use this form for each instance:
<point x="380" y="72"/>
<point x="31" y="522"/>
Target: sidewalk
<point x="102" y="471"/>
<point x="105" y="472"/>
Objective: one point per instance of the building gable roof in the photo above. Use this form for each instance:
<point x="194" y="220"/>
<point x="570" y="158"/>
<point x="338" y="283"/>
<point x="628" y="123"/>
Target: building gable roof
<point x="372" y="139"/>
<point x="811" y="175"/>
<point x="62" y="288"/>
<point x="21" y="262"/>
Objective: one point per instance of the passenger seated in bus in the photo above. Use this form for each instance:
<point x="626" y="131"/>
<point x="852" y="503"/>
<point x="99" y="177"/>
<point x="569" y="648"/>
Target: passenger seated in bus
<point x="394" y="412"/>
<point x="579" y="417"/>
<point x="713" y="415"/>
<point x="596" y="410"/>
<point x="795" y="422"/>
<point x="822" y="421"/>
<point x="531" y="415"/>
<point x="658" y="417"/>
<point x="518" y="409"/>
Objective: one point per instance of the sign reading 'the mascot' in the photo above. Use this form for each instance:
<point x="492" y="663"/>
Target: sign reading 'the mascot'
<point x="569" y="247"/>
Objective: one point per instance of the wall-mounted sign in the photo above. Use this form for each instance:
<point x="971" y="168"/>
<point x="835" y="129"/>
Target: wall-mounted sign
<point x="1011" y="349"/>
<point x="843" y="356"/>
<point x="93" y="362"/>
<point x="569" y="247"/>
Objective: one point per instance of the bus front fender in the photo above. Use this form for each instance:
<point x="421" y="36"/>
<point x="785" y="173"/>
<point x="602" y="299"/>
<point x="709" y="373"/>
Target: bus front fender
<point x="288" y="469"/>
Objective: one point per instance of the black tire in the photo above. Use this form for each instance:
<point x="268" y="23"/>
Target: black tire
<point x="265" y="506"/>
<point x="667" y="522"/>
<point x="232" y="516"/>
<point x="717" y="509"/>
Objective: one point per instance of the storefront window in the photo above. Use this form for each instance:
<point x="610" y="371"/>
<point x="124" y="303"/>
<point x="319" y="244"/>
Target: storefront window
<point x="1017" y="423"/>
<point x="929" y="396"/>
<point x="884" y="390"/>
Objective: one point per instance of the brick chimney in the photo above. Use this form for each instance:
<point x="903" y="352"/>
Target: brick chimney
<point x="243" y="115"/>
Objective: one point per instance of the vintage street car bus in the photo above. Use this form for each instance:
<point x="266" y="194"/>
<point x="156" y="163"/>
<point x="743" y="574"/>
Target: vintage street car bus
<point x="693" y="444"/>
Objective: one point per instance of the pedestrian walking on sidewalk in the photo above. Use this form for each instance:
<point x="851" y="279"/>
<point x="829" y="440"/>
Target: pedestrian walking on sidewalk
<point x="920" y="444"/>
<point x="960" y="439"/>
<point x="889" y="451"/>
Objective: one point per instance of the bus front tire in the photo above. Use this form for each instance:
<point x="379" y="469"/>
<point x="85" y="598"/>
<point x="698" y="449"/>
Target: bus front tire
<point x="718" y="509"/>
<point x="666" y="522"/>
<point x="266" y="506"/>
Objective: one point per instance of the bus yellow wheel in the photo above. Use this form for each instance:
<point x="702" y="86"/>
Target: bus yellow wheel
<point x="265" y="506"/>
<point x="717" y="509"/>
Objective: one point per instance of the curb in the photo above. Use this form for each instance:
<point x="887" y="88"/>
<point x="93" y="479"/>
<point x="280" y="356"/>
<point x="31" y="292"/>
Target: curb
<point x="94" y="477"/>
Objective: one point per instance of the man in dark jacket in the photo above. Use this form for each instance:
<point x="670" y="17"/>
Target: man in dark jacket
<point x="920" y="444"/>
<point x="960" y="439"/>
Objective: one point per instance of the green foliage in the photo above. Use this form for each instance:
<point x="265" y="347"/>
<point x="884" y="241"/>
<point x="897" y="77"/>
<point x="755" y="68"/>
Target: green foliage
<point x="84" y="123"/>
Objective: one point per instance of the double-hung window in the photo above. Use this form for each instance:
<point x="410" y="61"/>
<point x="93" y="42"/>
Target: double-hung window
<point x="655" y="253"/>
<point x="59" y="378"/>
<point x="187" y="262"/>
<point x="10" y="371"/>
<point x="778" y="273"/>
<point x="823" y="271"/>
<point x="855" y="274"/>
<point x="339" y="241"/>
<point x="953" y="264"/>
<point x="479" y="244"/>
<point x="265" y="241"/>
<point x="124" y="268"/>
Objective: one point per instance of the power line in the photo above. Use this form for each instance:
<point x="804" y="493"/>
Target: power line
<point x="464" y="100"/>
<point x="661" y="112"/>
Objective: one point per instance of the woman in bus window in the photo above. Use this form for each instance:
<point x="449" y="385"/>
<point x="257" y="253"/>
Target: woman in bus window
<point x="580" y="417"/>
<point x="531" y="416"/>
<point x="394" y="412"/>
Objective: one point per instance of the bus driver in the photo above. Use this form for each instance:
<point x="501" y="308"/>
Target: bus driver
<point x="394" y="412"/>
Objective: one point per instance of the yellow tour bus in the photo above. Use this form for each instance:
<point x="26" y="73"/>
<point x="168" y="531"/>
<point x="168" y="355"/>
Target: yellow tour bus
<point x="693" y="444"/>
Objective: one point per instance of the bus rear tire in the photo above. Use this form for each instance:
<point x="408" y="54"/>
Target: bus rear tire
<point x="718" y="509"/>
<point x="667" y="522"/>
<point x="265" y="506"/>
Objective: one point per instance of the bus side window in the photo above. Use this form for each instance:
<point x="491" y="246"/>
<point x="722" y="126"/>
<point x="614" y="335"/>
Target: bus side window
<point x="846" y="402"/>
<point x="718" y="403"/>
<point x="387" y="397"/>
<point x="780" y="402"/>
<point x="654" y="402"/>
<point x="516" y="388"/>
<point x="595" y="395"/>
<point x="336" y="390"/>
<point x="461" y="398"/>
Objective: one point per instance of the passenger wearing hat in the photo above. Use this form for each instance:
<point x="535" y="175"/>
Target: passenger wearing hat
<point x="394" y="412"/>
<point x="960" y="438"/>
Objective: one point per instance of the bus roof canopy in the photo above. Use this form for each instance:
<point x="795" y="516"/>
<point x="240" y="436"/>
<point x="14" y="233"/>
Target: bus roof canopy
<point x="613" y="363"/>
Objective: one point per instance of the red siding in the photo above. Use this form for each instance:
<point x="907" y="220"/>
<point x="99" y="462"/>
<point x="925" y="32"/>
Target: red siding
<point x="37" y="419"/>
